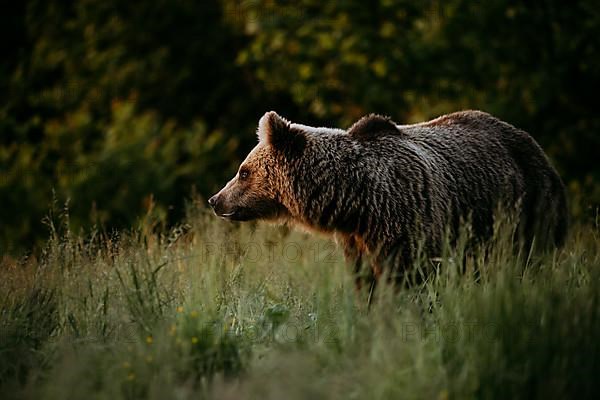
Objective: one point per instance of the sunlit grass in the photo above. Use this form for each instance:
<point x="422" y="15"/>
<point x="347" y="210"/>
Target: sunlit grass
<point x="216" y="310"/>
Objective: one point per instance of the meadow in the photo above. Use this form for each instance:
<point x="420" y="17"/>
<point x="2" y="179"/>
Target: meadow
<point x="217" y="310"/>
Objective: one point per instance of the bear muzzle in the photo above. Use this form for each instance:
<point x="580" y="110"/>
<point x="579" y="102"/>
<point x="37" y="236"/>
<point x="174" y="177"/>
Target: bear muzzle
<point x="217" y="205"/>
<point x="222" y="210"/>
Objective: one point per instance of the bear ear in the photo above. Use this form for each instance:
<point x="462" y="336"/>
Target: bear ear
<point x="278" y="132"/>
<point x="271" y="123"/>
<point x="371" y="126"/>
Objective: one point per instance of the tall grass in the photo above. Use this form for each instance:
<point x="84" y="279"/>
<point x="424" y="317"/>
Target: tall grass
<point x="224" y="311"/>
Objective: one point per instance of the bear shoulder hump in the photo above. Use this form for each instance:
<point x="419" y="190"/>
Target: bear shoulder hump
<point x="373" y="126"/>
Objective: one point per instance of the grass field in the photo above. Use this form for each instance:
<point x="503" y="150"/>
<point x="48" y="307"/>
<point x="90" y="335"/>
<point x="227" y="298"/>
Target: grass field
<point x="224" y="311"/>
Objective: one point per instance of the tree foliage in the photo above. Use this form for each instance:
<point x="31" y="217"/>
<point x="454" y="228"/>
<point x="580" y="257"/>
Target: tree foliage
<point x="116" y="106"/>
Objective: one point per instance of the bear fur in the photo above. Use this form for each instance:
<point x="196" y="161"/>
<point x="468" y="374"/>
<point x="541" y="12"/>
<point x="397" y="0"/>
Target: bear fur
<point x="386" y="189"/>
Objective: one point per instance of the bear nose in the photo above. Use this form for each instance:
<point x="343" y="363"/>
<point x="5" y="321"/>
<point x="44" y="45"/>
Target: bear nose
<point x="212" y="201"/>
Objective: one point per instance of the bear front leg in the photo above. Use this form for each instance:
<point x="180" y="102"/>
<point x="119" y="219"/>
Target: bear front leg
<point x="355" y="253"/>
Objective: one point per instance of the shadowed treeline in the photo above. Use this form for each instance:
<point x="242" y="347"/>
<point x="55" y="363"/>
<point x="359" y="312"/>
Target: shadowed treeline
<point x="123" y="109"/>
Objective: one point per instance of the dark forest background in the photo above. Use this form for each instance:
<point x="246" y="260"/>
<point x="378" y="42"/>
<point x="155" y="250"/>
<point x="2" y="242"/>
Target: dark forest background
<point x="123" y="110"/>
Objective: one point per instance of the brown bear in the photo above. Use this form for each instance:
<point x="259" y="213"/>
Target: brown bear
<point x="386" y="189"/>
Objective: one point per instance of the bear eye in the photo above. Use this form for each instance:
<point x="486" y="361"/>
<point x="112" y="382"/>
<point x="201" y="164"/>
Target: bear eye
<point x="244" y="174"/>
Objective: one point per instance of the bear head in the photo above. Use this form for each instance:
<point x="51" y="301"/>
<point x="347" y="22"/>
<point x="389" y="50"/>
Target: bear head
<point x="260" y="189"/>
